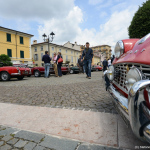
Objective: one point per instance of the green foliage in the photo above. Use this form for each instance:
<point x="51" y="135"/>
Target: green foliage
<point x="140" y="24"/>
<point x="5" y="60"/>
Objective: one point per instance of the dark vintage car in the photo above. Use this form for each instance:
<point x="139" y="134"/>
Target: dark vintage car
<point x="97" y="68"/>
<point x="74" y="69"/>
<point x="38" y="71"/>
<point x="8" y="72"/>
<point x="128" y="82"/>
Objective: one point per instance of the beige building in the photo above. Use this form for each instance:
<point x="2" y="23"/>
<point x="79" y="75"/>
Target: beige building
<point x="68" y="54"/>
<point x="72" y="45"/>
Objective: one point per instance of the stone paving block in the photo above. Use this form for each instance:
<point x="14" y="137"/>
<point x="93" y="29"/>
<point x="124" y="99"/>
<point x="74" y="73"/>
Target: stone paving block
<point x="39" y="148"/>
<point x="7" y="138"/>
<point x="13" y="141"/>
<point x="1" y="143"/>
<point x="7" y="131"/>
<point x="35" y="137"/>
<point x="86" y="146"/>
<point x="6" y="147"/>
<point x="20" y="144"/>
<point x="59" y="143"/>
<point x="29" y="146"/>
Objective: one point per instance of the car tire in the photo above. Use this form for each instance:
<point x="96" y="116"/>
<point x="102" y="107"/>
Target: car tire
<point x="5" y="76"/>
<point x="20" y="78"/>
<point x="64" y="73"/>
<point x="71" y="71"/>
<point x="37" y="73"/>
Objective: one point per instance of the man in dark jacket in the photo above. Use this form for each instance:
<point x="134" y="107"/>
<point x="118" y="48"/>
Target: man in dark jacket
<point x="112" y="58"/>
<point x="46" y="60"/>
<point x="105" y="65"/>
<point x="80" y="63"/>
<point x="88" y="55"/>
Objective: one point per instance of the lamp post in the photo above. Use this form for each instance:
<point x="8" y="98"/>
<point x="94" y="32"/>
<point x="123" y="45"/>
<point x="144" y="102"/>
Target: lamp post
<point x="49" y="39"/>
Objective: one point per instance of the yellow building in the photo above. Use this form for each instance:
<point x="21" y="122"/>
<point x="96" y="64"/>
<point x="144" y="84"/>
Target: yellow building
<point x="16" y="45"/>
<point x="68" y="54"/>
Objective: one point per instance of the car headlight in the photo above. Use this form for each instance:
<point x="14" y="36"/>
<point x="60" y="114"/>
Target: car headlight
<point x="110" y="73"/>
<point x="134" y="75"/>
<point x="119" y="49"/>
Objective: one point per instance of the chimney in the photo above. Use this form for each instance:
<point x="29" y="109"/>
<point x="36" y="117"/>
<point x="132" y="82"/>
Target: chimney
<point x="34" y="41"/>
<point x="75" y="43"/>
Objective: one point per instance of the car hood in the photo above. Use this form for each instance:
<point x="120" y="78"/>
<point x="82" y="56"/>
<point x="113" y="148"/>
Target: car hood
<point x="139" y="54"/>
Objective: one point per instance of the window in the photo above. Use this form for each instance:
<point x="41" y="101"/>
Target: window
<point x="52" y="48"/>
<point x="77" y="59"/>
<point x="77" y="53"/>
<point x="21" y="54"/>
<point x="41" y="48"/>
<point x="52" y="55"/>
<point x="35" y="49"/>
<point x="71" y="52"/>
<point x="72" y="59"/>
<point x="41" y="56"/>
<point x="66" y="57"/>
<point x="9" y="52"/>
<point x="59" y="50"/>
<point x="21" y="40"/>
<point x="8" y="37"/>
<point x="36" y="57"/>
<point x="42" y="64"/>
<point x="66" y="51"/>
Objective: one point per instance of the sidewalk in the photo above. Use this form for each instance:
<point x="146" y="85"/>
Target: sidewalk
<point x="86" y="126"/>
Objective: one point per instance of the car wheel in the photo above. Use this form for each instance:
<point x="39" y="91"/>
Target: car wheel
<point x="64" y="73"/>
<point x="20" y="78"/>
<point x="37" y="73"/>
<point x="71" y="71"/>
<point x="5" y="76"/>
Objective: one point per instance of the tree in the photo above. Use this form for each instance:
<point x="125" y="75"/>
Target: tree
<point x="5" y="59"/>
<point x="140" y="24"/>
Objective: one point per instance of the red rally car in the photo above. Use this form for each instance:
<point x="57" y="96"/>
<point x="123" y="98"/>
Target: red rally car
<point x="8" y="72"/>
<point x="38" y="71"/>
<point x="128" y="82"/>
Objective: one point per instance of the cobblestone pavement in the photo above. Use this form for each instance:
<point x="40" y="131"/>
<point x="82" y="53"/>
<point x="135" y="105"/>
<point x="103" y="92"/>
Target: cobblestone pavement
<point x="15" y="139"/>
<point x="70" y="91"/>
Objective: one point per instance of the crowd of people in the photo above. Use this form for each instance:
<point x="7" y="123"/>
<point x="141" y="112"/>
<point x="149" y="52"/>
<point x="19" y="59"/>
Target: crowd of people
<point x="84" y="62"/>
<point x="108" y="63"/>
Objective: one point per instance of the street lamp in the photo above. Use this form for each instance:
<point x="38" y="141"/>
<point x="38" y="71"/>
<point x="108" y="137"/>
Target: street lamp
<point x="49" y="39"/>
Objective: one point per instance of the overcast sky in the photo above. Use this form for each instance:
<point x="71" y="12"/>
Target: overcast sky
<point x="96" y="21"/>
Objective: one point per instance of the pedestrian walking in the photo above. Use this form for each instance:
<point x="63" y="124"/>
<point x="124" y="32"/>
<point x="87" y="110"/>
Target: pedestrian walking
<point x="105" y="64"/>
<point x="80" y="63"/>
<point x="109" y="62"/>
<point x="55" y="64"/>
<point x="59" y="64"/>
<point x="112" y="58"/>
<point x="88" y="55"/>
<point x="46" y="58"/>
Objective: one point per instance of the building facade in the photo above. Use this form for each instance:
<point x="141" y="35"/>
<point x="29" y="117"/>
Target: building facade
<point x="68" y="54"/>
<point x="72" y="45"/>
<point x="16" y="45"/>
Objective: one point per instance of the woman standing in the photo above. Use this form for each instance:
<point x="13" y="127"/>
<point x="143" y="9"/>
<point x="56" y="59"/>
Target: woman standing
<point x="59" y="65"/>
<point x="55" y="64"/>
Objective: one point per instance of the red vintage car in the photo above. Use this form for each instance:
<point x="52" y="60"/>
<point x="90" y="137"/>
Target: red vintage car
<point x="8" y="72"/>
<point x="38" y="71"/>
<point x="98" y="68"/>
<point x="128" y="82"/>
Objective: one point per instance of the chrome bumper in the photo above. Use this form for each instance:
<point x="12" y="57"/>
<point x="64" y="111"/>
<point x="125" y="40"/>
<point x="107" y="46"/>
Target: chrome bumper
<point x="134" y="109"/>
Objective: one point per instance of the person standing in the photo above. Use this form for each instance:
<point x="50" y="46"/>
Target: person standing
<point x="105" y="64"/>
<point x="88" y="55"/>
<point x="46" y="58"/>
<point x="112" y="58"/>
<point x="59" y="65"/>
<point x="109" y="62"/>
<point x="80" y="65"/>
<point x="55" y="64"/>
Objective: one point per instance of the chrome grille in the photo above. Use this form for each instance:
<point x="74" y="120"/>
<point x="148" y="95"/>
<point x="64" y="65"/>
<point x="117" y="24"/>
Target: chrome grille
<point x="121" y="72"/>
